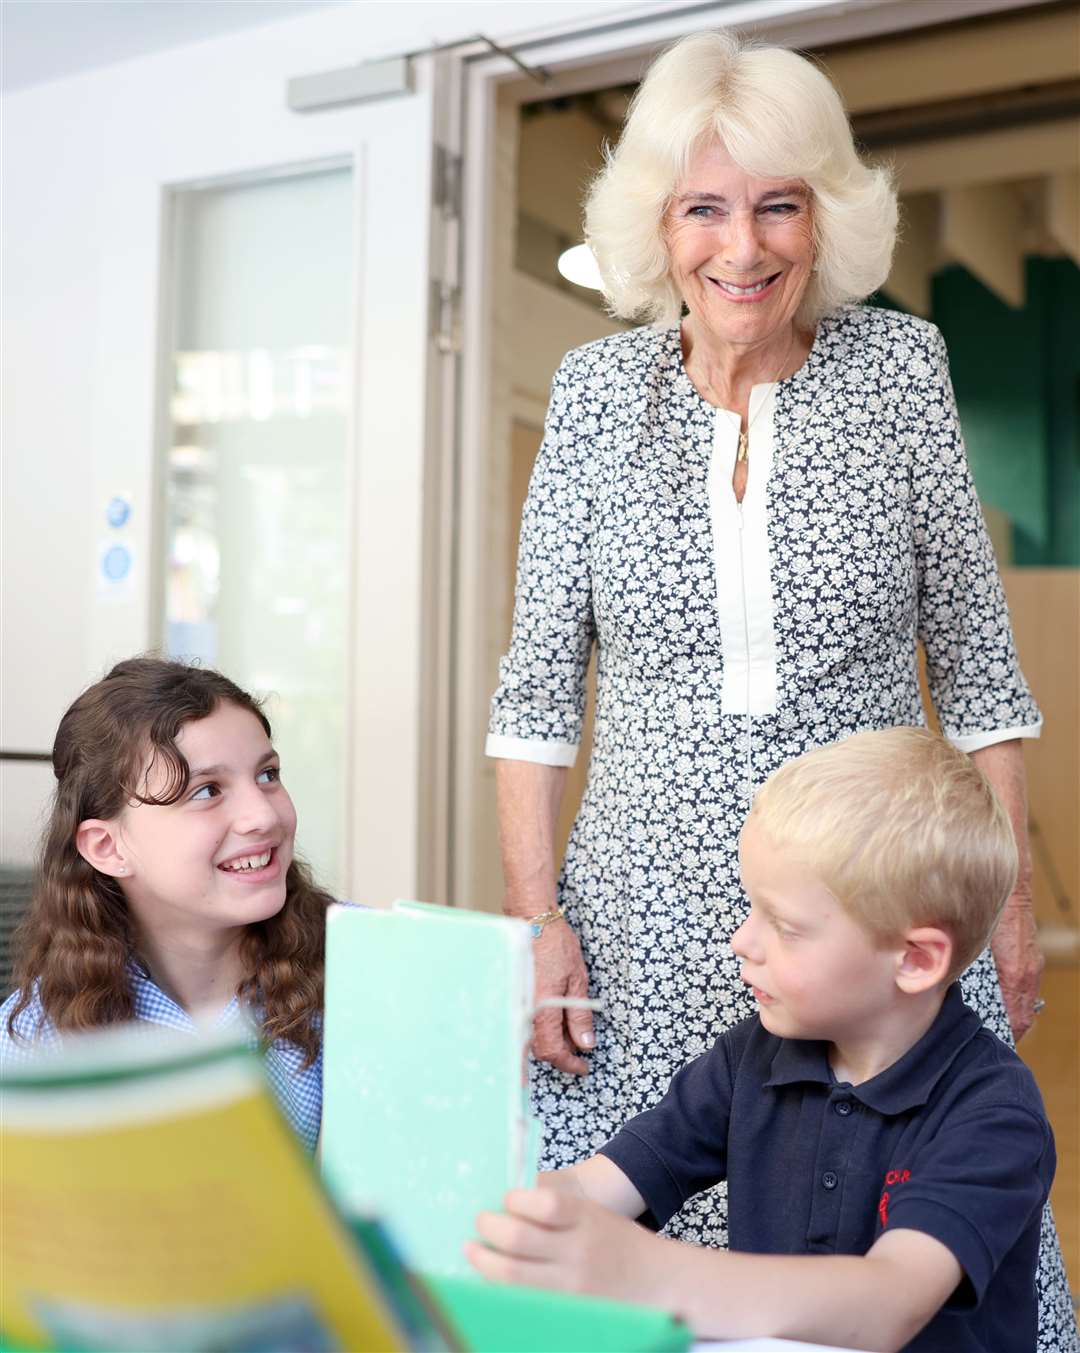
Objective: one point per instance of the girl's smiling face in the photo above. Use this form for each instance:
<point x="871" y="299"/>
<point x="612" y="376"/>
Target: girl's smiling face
<point x="217" y="858"/>
<point x="740" y="248"/>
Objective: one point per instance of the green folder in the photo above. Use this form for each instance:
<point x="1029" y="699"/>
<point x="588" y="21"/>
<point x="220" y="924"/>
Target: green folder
<point x="425" y="1111"/>
<point x="495" y="1319"/>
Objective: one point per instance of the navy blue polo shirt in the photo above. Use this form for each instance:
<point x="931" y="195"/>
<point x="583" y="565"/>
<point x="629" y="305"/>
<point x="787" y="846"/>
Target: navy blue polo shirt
<point x="952" y="1140"/>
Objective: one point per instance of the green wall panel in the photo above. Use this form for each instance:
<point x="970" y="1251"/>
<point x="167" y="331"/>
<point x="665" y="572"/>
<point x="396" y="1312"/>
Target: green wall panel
<point x="1017" y="379"/>
<point x="995" y="354"/>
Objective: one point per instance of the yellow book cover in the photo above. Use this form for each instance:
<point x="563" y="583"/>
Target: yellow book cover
<point x="152" y="1197"/>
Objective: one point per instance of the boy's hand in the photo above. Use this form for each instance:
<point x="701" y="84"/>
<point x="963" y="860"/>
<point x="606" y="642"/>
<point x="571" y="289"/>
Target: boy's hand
<point x="548" y="1238"/>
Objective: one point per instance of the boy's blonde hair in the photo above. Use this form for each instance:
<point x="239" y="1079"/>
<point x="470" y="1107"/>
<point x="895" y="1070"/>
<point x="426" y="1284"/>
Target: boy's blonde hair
<point x="903" y="829"/>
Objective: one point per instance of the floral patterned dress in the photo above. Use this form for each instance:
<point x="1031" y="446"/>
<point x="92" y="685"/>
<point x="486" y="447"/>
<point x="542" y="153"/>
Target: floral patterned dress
<point x="731" y="638"/>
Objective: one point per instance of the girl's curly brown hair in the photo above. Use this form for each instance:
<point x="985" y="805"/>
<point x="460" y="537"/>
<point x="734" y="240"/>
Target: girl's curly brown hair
<point x="76" y="941"/>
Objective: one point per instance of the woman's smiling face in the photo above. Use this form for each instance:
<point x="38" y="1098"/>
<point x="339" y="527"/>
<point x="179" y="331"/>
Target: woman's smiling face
<point x="740" y="249"/>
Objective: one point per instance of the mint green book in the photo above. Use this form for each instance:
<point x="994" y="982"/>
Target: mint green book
<point x="425" y="1110"/>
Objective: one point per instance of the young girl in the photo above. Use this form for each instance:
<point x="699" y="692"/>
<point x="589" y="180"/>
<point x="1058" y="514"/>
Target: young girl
<point x="167" y="884"/>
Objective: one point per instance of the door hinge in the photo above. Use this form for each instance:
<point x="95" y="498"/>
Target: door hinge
<point x="446" y="316"/>
<point x="446" y="189"/>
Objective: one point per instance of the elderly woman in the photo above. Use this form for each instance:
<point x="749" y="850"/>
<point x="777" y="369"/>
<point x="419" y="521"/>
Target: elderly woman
<point x="754" y="505"/>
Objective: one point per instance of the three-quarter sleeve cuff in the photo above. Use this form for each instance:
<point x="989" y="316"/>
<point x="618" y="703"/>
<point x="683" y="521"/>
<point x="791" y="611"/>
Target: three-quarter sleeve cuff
<point x="972" y="742"/>
<point x="648" y="1173"/>
<point x="531" y="749"/>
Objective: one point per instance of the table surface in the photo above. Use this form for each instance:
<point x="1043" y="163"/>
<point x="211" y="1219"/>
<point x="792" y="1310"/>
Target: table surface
<point x="762" y="1346"/>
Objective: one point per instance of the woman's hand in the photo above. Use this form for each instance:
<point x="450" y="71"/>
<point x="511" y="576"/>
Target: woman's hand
<point x="1014" y="944"/>
<point x="558" y="1035"/>
<point x="1019" y="961"/>
<point x="529" y="795"/>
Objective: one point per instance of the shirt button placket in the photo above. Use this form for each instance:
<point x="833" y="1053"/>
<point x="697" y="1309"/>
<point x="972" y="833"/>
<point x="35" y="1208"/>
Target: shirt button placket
<point x="833" y="1158"/>
<point x="830" y="1178"/>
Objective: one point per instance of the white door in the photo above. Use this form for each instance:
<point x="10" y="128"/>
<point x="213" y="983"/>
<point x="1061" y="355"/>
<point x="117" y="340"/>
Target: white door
<point x="261" y="436"/>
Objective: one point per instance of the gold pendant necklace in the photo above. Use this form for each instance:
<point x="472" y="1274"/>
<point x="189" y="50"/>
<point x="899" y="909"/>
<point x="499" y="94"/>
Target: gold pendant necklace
<point x="744" y="434"/>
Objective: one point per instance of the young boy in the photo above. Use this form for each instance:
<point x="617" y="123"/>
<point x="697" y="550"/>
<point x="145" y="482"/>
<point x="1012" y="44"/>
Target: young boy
<point x="887" y="1157"/>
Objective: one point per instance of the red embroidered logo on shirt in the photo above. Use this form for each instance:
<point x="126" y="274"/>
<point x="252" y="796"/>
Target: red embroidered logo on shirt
<point x="891" y="1179"/>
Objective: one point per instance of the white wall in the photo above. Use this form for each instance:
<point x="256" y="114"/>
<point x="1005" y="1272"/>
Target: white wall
<point x="83" y="162"/>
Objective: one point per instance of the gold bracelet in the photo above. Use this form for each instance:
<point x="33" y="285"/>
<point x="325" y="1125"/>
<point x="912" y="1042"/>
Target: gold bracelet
<point x="536" y="923"/>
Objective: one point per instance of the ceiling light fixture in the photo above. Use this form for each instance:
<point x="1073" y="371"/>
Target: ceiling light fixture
<point x="578" y="265"/>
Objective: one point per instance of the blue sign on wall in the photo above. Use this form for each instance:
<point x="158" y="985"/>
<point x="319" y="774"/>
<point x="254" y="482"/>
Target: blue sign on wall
<point x="118" y="513"/>
<point x="116" y="563"/>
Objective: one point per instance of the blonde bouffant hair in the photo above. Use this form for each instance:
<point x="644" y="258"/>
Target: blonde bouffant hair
<point x="778" y="116"/>
<point x="903" y="829"/>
